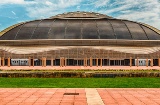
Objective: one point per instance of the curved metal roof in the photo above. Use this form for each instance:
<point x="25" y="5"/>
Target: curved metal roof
<point x="78" y="25"/>
<point x="78" y="14"/>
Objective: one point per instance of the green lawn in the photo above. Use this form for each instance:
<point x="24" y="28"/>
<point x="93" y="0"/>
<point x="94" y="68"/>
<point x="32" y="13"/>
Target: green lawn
<point x="80" y="82"/>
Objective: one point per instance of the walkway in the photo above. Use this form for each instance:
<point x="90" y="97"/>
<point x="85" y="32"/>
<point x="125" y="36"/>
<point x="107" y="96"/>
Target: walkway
<point x="78" y="67"/>
<point x="100" y="96"/>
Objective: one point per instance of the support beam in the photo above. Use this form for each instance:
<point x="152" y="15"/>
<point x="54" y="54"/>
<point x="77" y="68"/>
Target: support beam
<point x="9" y="62"/>
<point x="151" y="62"/>
<point x="3" y="61"/>
<point x="84" y="62"/>
<point x="159" y="62"/>
<point x="90" y="61"/>
<point x="97" y="62"/>
<point x="33" y="62"/>
<point x="29" y="61"/>
<point x="65" y="62"/>
<point x="62" y="62"/>
<point x="147" y="62"/>
<point x="44" y="61"/>
<point x="137" y="62"/>
<point x="101" y="62"/>
<point x="130" y="61"/>
<point x="0" y="61"/>
<point x="52" y="62"/>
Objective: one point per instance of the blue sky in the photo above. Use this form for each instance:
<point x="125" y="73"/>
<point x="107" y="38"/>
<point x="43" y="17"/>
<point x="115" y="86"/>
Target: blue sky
<point x="15" y="11"/>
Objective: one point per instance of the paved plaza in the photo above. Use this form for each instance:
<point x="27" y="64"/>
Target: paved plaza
<point x="79" y="96"/>
<point x="80" y="68"/>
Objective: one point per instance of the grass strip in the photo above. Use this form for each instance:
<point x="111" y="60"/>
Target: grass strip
<point x="124" y="82"/>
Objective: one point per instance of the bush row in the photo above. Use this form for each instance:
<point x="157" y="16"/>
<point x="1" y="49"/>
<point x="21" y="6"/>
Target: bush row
<point x="80" y="74"/>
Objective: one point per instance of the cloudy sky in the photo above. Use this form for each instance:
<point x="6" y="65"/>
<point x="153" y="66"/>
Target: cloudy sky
<point x="15" y="11"/>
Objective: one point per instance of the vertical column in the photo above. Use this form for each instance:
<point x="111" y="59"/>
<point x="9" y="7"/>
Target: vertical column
<point x="130" y="61"/>
<point x="3" y="61"/>
<point x="147" y="62"/>
<point x="151" y="62"/>
<point x="84" y="62"/>
<point x="65" y="62"/>
<point x="33" y="61"/>
<point x="90" y="61"/>
<point x="29" y="61"/>
<point x="9" y="62"/>
<point x="0" y="61"/>
<point x="159" y="62"/>
<point x="52" y="62"/>
<point x="137" y="62"/>
<point x="62" y="62"/>
<point x="42" y="61"/>
<point x="101" y="62"/>
<point x="97" y="62"/>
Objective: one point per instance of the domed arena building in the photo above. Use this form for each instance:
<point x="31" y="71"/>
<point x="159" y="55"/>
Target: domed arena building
<point x="80" y="39"/>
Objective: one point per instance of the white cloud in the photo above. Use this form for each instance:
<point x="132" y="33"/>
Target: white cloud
<point x="100" y="3"/>
<point x="15" y="2"/>
<point x="48" y="3"/>
<point x="47" y="8"/>
<point x="13" y="12"/>
<point x="145" y="11"/>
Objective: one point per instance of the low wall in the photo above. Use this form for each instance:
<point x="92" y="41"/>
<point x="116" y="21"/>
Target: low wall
<point x="79" y="74"/>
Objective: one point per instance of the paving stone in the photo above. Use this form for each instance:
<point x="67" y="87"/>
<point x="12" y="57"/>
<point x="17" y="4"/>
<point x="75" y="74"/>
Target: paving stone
<point x="93" y="96"/>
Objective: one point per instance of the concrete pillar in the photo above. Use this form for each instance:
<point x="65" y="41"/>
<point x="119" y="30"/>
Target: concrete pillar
<point x="130" y="61"/>
<point x="33" y="62"/>
<point x="84" y="62"/>
<point x="90" y="61"/>
<point x="97" y="62"/>
<point x="101" y="62"/>
<point x="65" y="62"/>
<point x="45" y="61"/>
<point x="9" y="62"/>
<point x="52" y="62"/>
<point x="151" y="62"/>
<point x="42" y="62"/>
<point x="0" y="61"/>
<point x="159" y="62"/>
<point x="62" y="62"/>
<point x="137" y="62"/>
<point x="29" y="61"/>
<point x="147" y="62"/>
<point x="3" y="61"/>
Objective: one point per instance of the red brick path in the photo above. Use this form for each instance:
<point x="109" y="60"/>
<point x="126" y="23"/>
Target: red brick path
<point x="53" y="96"/>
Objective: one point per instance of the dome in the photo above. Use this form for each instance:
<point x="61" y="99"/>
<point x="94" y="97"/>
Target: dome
<point x="80" y="25"/>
